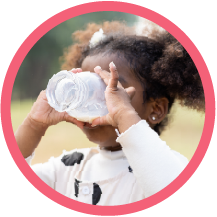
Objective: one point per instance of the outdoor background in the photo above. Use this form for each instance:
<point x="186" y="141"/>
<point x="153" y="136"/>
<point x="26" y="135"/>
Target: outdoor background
<point x="182" y="134"/>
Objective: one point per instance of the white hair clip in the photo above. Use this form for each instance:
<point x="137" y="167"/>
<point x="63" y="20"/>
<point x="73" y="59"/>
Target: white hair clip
<point x="97" y="36"/>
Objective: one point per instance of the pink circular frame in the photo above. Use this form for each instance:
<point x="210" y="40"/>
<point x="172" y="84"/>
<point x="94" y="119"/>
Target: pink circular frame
<point x="89" y="8"/>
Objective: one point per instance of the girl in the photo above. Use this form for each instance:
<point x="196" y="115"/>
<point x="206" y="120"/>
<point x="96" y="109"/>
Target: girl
<point x="144" y="75"/>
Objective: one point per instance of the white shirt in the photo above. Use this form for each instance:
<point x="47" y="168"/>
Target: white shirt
<point x="104" y="165"/>
<point x="144" y="166"/>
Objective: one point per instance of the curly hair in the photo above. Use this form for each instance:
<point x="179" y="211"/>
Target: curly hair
<point x="157" y="58"/>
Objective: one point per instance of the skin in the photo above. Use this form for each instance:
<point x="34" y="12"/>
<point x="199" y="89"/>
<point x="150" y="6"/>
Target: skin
<point x="124" y="102"/>
<point x="105" y="136"/>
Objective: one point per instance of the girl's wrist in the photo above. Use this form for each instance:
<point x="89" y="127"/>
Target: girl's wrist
<point x="28" y="135"/>
<point x="39" y="128"/>
<point x="126" y="119"/>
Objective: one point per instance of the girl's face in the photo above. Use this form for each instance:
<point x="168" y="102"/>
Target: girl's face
<point x="105" y="136"/>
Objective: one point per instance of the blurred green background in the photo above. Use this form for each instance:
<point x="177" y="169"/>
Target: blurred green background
<point x="182" y="134"/>
<point x="43" y="60"/>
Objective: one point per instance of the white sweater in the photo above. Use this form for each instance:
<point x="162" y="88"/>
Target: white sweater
<point x="144" y="166"/>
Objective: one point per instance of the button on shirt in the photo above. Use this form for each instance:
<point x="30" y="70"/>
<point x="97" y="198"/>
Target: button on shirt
<point x="85" y="190"/>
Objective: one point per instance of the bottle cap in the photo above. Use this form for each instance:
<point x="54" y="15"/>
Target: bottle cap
<point x="65" y="91"/>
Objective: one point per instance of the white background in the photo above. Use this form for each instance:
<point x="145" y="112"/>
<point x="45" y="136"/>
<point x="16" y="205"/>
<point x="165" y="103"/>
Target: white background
<point x="197" y="19"/>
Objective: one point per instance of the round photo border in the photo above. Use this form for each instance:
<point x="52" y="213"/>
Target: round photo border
<point x="89" y="8"/>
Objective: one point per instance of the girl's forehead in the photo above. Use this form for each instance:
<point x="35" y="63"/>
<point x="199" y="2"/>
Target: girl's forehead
<point x="126" y="77"/>
<point x="90" y="62"/>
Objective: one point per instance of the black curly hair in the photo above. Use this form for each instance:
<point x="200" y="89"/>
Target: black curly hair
<point x="159" y="59"/>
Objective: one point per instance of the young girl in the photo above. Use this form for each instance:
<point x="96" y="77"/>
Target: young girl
<point x="144" y="75"/>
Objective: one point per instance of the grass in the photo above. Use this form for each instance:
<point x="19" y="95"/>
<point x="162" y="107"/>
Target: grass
<point x="182" y="134"/>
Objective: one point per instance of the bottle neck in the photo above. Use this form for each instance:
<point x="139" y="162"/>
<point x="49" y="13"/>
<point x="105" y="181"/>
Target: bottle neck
<point x="68" y="91"/>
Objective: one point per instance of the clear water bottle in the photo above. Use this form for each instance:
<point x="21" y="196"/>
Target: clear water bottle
<point x="81" y="95"/>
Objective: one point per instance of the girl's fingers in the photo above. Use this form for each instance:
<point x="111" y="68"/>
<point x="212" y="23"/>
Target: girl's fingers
<point x="73" y="70"/>
<point x="113" y="82"/>
<point x="79" y="70"/>
<point x="79" y="123"/>
<point x="100" y="121"/>
<point x="131" y="92"/>
<point x="103" y="74"/>
<point x="42" y="95"/>
<point x="76" y="70"/>
<point x="106" y="76"/>
<point x="72" y="120"/>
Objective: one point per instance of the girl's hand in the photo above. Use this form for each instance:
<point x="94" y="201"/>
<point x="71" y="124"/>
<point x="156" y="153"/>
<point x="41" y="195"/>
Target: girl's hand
<point x="118" y="100"/>
<point x="43" y="115"/>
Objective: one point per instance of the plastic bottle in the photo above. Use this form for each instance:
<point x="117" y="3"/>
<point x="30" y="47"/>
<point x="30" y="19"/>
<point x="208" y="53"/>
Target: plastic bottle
<point x="81" y="95"/>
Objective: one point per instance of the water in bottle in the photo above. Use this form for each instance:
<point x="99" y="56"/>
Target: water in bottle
<point x="81" y="95"/>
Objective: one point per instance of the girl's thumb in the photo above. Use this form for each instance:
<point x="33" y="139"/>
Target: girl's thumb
<point x="100" y="121"/>
<point x="131" y="92"/>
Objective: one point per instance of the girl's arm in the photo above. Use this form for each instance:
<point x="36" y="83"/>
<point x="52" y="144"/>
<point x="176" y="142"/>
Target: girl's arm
<point x="28" y="135"/>
<point x="37" y="121"/>
<point x="154" y="164"/>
